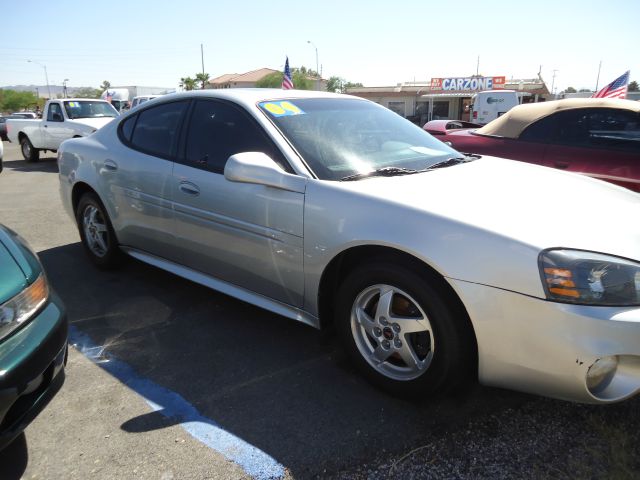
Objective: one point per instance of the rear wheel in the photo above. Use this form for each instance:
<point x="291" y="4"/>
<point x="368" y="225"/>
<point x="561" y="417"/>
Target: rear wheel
<point x="29" y="153"/>
<point x="401" y="331"/>
<point x="98" y="238"/>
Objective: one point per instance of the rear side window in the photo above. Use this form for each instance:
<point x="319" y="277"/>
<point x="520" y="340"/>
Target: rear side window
<point x="126" y="127"/>
<point x="542" y="131"/>
<point x="156" y="131"/>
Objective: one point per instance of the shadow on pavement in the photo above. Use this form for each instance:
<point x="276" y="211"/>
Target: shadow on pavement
<point x="14" y="459"/>
<point x="47" y="165"/>
<point x="266" y="379"/>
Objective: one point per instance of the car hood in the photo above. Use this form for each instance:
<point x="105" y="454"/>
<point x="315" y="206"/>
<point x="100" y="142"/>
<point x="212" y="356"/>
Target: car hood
<point x="533" y="205"/>
<point x="96" y="123"/>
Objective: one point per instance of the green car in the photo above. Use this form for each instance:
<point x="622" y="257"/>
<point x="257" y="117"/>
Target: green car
<point x="33" y="337"/>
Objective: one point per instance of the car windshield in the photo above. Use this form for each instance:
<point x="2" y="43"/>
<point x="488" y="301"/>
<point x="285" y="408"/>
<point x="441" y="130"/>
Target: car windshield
<point x="89" y="109"/>
<point x="341" y="138"/>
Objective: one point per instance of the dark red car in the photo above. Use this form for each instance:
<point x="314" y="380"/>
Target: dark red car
<point x="595" y="137"/>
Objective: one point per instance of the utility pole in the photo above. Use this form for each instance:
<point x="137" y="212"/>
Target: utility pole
<point x="202" y="57"/>
<point x="478" y="66"/>
<point x="553" y="83"/>
<point x="317" y="71"/>
<point x="598" y="79"/>
<point x="45" y="75"/>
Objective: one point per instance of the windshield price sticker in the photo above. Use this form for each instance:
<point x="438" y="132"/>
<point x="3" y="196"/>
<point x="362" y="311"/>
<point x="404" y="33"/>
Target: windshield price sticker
<point x="74" y="104"/>
<point x="281" y="109"/>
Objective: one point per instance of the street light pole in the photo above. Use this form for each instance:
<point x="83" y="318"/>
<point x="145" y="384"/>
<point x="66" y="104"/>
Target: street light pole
<point x="553" y="83"/>
<point x="317" y="71"/>
<point x="45" y="75"/>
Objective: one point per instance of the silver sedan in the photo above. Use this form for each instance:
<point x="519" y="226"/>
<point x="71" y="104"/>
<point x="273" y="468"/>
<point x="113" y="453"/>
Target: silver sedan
<point x="434" y="267"/>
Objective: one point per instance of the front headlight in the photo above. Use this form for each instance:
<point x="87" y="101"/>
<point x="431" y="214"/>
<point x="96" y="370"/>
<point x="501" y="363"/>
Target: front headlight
<point x="575" y="276"/>
<point x="21" y="307"/>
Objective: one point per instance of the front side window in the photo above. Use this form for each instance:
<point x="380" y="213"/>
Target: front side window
<point x="615" y="129"/>
<point x="607" y="128"/>
<point x="55" y="113"/>
<point x="218" y="130"/>
<point x="156" y="131"/>
<point x="342" y="137"/>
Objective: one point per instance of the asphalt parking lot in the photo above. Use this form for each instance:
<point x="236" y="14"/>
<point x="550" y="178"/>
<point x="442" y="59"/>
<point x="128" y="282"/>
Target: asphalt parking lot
<point x="168" y="379"/>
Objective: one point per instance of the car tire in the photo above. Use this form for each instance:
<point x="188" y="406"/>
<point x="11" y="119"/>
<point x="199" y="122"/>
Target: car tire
<point x="98" y="238"/>
<point x="29" y="153"/>
<point x="402" y="331"/>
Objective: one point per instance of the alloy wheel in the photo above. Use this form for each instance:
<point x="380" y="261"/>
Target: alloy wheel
<point x="392" y="332"/>
<point x="95" y="231"/>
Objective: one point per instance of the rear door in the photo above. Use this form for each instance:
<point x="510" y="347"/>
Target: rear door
<point x="244" y="234"/>
<point x="136" y="176"/>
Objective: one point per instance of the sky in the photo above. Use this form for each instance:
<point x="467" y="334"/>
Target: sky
<point x="376" y="43"/>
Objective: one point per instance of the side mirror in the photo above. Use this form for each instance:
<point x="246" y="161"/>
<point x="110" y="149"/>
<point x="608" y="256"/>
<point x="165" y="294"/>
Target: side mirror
<point x="57" y="117"/>
<point x="259" y="168"/>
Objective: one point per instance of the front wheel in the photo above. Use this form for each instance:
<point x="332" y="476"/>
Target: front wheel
<point x="401" y="331"/>
<point x="29" y="153"/>
<point x="98" y="238"/>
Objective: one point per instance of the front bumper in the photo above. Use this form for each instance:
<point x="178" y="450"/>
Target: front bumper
<point x="32" y="364"/>
<point x="547" y="348"/>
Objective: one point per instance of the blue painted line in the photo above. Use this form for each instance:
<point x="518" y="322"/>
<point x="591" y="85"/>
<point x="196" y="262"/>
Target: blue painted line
<point x="254" y="461"/>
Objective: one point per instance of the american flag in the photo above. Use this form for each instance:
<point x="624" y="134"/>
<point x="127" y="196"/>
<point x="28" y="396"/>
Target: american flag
<point x="616" y="89"/>
<point x="287" y="83"/>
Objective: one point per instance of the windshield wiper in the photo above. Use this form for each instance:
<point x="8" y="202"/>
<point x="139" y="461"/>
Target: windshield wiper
<point x="394" y="171"/>
<point x="380" y="172"/>
<point x="453" y="161"/>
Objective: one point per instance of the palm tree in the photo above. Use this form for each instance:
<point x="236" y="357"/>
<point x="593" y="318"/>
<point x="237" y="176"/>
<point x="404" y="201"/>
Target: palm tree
<point x="188" y="83"/>
<point x="203" y="78"/>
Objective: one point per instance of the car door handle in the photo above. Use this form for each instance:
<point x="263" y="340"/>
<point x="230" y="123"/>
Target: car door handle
<point x="189" y="188"/>
<point x="561" y="165"/>
<point x="110" y="165"/>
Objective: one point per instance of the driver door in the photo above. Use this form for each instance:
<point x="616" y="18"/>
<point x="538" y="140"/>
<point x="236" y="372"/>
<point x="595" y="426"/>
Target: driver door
<point x="245" y="234"/>
<point x="54" y="129"/>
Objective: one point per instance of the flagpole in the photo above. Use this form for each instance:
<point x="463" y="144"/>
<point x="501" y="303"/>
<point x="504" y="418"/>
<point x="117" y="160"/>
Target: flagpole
<point x="598" y="79"/>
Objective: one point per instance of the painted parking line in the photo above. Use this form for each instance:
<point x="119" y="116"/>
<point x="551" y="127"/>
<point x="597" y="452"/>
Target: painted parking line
<point x="254" y="461"/>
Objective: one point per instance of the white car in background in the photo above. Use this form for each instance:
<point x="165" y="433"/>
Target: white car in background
<point x="142" y="99"/>
<point x="61" y="119"/>
<point x="433" y="266"/>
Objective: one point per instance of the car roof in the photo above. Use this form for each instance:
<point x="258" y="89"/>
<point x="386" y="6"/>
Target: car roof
<point x="512" y="123"/>
<point x="251" y="96"/>
<point x="80" y="99"/>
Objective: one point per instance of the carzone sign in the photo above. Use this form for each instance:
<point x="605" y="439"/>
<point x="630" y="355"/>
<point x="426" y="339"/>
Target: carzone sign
<point x="467" y="83"/>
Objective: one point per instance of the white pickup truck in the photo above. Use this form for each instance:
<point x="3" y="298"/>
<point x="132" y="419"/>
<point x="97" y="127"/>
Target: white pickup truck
<point x="61" y="119"/>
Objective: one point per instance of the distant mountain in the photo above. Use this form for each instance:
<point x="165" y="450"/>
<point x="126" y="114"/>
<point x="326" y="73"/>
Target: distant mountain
<point x="42" y="89"/>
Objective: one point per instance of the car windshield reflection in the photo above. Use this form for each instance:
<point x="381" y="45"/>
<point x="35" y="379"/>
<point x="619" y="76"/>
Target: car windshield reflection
<point x="340" y="138"/>
<point x="88" y="109"/>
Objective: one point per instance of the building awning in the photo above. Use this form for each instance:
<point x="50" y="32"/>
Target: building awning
<point x="463" y="94"/>
<point x="448" y="95"/>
